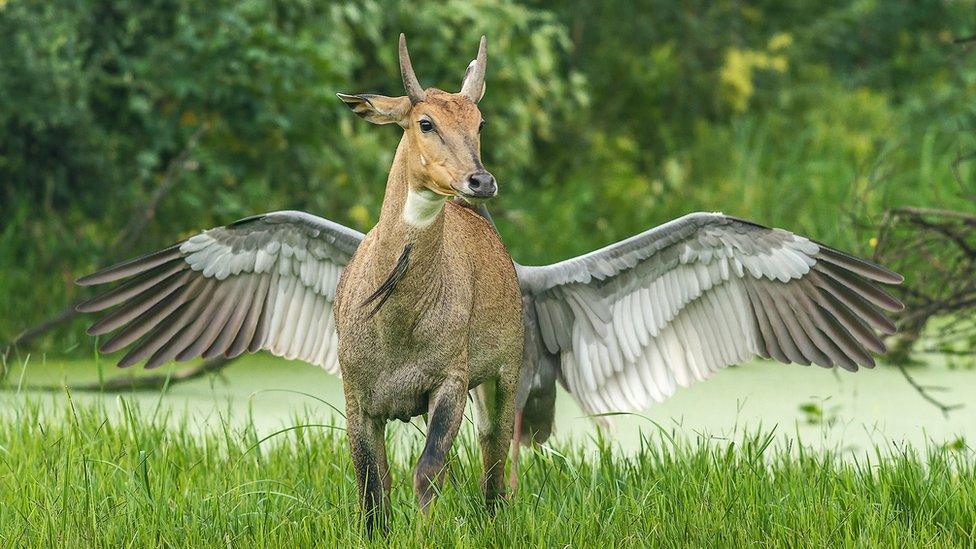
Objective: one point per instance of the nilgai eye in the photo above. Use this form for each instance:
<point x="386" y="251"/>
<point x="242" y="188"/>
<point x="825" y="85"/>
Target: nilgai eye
<point x="482" y="125"/>
<point x="426" y="126"/>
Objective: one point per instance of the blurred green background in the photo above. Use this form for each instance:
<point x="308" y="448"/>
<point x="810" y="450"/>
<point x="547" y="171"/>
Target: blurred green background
<point x="604" y="119"/>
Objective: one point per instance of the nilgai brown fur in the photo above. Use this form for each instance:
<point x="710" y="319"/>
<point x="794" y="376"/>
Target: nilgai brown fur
<point x="448" y="314"/>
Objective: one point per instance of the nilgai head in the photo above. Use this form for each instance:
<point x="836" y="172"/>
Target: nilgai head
<point x="441" y="130"/>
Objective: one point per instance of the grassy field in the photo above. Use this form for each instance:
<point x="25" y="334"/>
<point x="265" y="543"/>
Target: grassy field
<point x="75" y="478"/>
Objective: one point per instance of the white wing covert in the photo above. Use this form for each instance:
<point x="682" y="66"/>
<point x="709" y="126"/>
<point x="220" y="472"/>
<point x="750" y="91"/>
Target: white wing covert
<point x="264" y="282"/>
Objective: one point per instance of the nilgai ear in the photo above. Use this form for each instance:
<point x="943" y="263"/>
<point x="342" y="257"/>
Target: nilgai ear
<point x="378" y="109"/>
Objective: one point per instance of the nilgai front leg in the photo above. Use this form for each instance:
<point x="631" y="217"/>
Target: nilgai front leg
<point x="446" y="411"/>
<point x="496" y="411"/>
<point x="368" y="447"/>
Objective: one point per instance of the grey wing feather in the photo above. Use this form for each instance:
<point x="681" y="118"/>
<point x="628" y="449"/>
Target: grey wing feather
<point x="632" y="321"/>
<point x="264" y="282"/>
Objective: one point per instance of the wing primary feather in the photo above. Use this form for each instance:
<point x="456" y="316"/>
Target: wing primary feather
<point x="818" y="329"/>
<point x="853" y="302"/>
<point x="854" y="324"/>
<point x="245" y="336"/>
<point x="823" y="330"/>
<point x="136" y="307"/>
<point x="167" y="329"/>
<point x="765" y="328"/>
<point x="758" y="326"/>
<point x="781" y="299"/>
<point x="224" y="308"/>
<point x="864" y="268"/>
<point x="863" y="338"/>
<point x="862" y="287"/>
<point x="545" y="326"/>
<point x="783" y="335"/>
<point x="131" y="267"/>
<point x="261" y="329"/>
<point x="149" y="343"/>
<point x="131" y="288"/>
<point x="151" y="318"/>
<point x="191" y="330"/>
<point x="236" y="320"/>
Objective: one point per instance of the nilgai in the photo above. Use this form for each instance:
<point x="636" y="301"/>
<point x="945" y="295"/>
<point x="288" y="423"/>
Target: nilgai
<point x="427" y="305"/>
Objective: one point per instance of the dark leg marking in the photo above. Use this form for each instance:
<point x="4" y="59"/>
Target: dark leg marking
<point x="445" y="419"/>
<point x="368" y="447"/>
<point x="496" y="410"/>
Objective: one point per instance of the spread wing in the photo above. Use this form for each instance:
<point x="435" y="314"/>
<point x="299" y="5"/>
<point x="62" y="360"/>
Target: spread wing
<point x="670" y="306"/>
<point x="264" y="282"/>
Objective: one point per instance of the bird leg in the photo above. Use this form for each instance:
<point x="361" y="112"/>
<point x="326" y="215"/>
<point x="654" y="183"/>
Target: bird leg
<point x="516" y="445"/>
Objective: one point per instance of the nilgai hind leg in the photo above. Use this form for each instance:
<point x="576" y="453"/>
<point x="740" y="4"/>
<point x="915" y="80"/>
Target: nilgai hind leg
<point x="496" y="411"/>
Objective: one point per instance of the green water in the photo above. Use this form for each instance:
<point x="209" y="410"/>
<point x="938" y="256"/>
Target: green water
<point x="858" y="411"/>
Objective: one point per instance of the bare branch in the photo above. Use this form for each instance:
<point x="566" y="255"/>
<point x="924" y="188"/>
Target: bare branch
<point x="924" y="393"/>
<point x="155" y="382"/>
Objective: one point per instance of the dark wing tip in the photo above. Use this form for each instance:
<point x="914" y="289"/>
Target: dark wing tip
<point x="85" y="306"/>
<point x="131" y="267"/>
<point x="253" y="218"/>
<point x="87" y="280"/>
<point x="863" y="267"/>
<point x="886" y="275"/>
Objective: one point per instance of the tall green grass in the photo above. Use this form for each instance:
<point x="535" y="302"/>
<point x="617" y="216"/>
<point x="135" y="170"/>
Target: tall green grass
<point x="76" y="478"/>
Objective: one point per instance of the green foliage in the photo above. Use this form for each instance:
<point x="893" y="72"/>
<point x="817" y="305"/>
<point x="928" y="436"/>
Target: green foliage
<point x="845" y="113"/>
<point x="98" y="98"/>
<point x="87" y="476"/>
<point x="603" y="119"/>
